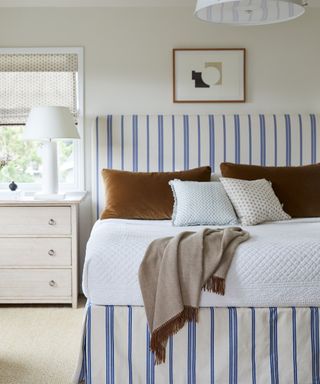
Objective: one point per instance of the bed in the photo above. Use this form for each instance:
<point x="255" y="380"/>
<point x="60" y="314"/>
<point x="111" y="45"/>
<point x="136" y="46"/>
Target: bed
<point x="266" y="327"/>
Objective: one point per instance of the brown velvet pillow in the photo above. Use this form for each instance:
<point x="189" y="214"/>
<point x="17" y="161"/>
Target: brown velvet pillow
<point x="298" y="188"/>
<point x="142" y="195"/>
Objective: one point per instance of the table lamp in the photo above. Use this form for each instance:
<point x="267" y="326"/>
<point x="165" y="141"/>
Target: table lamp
<point x="48" y="124"/>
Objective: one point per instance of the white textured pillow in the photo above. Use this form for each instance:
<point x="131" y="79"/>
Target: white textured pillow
<point x="254" y="201"/>
<point x="201" y="203"/>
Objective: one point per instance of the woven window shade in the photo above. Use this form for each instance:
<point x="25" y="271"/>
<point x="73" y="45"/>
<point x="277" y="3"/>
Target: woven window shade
<point x="30" y="80"/>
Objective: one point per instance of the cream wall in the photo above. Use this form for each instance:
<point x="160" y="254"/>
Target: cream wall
<point x="128" y="64"/>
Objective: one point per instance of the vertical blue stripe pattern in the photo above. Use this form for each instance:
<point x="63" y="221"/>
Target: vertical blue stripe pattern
<point x="130" y="345"/>
<point x="275" y="130"/>
<point x="194" y="351"/>
<point x="86" y="356"/>
<point x="122" y="142"/>
<point x="160" y="143"/>
<point x="89" y="379"/>
<point x="273" y="321"/>
<point x="98" y="168"/>
<point x="233" y="346"/>
<point x="262" y="140"/>
<point x="107" y="333"/>
<point x="212" y="142"/>
<point x="253" y="345"/>
<point x="235" y="330"/>
<point x="135" y="165"/>
<point x="269" y="324"/>
<point x="191" y="364"/>
<point x="152" y="366"/>
<point x="109" y="319"/>
<point x="313" y="139"/>
<point x="230" y="348"/>
<point x="173" y="143"/>
<point x="315" y="345"/>
<point x="265" y="11"/>
<point x="291" y="10"/>
<point x="224" y="137"/>
<point x="148" y="142"/>
<point x="294" y="346"/>
<point x="186" y="141"/>
<point x="112" y="343"/>
<point x="212" y="345"/>
<point x="83" y="372"/>
<point x="171" y="360"/>
<point x="301" y="140"/>
<point x="149" y="360"/>
<point x="109" y="141"/>
<point x="199" y="140"/>
<point x="288" y="140"/>
<point x="237" y="138"/>
<point x="147" y="355"/>
<point x="250" y="139"/>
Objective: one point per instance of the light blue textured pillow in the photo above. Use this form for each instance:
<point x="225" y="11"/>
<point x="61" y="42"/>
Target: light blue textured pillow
<point x="201" y="203"/>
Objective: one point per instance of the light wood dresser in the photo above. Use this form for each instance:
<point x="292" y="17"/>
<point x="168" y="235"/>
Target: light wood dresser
<point x="39" y="250"/>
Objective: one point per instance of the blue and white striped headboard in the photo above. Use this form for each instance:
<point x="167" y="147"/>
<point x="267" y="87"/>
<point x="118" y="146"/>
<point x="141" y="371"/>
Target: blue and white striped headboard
<point x="177" y="142"/>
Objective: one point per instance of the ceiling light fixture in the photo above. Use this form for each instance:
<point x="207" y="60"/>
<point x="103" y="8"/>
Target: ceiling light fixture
<point x="249" y="12"/>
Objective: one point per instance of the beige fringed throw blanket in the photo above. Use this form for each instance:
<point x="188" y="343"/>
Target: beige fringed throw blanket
<point x="173" y="273"/>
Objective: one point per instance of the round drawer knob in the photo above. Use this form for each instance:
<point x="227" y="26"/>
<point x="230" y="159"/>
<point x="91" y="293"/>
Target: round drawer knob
<point x="51" y="252"/>
<point x="52" y="222"/>
<point x="52" y="283"/>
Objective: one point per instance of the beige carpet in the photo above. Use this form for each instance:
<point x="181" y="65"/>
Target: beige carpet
<point x="39" y="345"/>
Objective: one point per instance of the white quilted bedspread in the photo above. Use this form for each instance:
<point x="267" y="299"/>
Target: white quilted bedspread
<point x="278" y="266"/>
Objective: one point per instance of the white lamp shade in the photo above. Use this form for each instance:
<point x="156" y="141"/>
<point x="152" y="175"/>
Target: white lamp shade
<point x="248" y="12"/>
<point x="47" y="122"/>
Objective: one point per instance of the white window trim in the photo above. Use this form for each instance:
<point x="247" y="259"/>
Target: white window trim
<point x="79" y="184"/>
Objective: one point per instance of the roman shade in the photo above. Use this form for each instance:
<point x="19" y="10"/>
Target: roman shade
<point x="35" y="79"/>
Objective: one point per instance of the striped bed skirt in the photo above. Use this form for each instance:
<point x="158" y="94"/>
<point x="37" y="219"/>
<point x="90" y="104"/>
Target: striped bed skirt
<point x="227" y="346"/>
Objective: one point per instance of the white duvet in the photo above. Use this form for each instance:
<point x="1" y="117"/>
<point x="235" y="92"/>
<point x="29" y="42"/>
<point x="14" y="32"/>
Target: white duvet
<point x="278" y="266"/>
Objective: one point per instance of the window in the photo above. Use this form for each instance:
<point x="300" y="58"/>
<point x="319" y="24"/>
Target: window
<point x="35" y="77"/>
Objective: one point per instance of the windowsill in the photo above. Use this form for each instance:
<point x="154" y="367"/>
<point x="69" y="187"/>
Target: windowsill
<point x="20" y="196"/>
<point x="36" y="188"/>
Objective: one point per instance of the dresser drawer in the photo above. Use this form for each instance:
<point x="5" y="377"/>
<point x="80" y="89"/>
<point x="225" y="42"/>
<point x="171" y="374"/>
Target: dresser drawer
<point x="35" y="221"/>
<point x="35" y="283"/>
<point x="41" y="252"/>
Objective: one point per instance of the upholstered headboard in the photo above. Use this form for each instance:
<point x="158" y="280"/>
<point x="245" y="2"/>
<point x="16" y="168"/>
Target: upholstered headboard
<point x="177" y="142"/>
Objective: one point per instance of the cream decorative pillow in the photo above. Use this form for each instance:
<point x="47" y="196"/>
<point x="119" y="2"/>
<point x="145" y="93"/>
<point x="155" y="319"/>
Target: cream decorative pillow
<point x="254" y="201"/>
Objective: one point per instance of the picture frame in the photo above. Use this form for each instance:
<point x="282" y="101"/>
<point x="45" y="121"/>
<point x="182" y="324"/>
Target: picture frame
<point x="209" y="75"/>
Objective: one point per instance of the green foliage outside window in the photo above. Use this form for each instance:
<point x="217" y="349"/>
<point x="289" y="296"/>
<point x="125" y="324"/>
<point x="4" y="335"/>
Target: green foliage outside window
<point x="25" y="158"/>
<point x="25" y="161"/>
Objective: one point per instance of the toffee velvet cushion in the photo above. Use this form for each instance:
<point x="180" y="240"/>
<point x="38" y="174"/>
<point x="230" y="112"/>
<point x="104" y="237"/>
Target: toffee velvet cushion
<point x="144" y="195"/>
<point x="298" y="188"/>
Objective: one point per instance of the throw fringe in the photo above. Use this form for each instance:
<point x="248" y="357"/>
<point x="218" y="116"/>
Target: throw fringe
<point x="160" y="336"/>
<point x="215" y="284"/>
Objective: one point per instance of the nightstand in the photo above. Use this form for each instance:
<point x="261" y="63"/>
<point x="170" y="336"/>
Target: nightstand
<point x="39" y="250"/>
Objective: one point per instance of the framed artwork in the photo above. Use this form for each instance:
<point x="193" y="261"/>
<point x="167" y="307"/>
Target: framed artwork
<point x="209" y="75"/>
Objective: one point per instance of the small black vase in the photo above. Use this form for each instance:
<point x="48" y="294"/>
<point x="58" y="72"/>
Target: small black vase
<point x="13" y="186"/>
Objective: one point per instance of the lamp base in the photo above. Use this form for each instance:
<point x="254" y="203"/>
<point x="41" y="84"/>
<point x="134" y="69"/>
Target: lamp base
<point x="50" y="168"/>
<point x="49" y="197"/>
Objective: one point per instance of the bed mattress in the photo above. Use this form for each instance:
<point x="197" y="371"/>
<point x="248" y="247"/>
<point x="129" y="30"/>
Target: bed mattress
<point x="278" y="266"/>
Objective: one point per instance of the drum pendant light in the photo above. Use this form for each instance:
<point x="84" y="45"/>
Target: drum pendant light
<point x="249" y="12"/>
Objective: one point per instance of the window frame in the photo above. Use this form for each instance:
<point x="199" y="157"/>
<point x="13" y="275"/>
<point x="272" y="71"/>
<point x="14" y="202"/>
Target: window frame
<point x="79" y="170"/>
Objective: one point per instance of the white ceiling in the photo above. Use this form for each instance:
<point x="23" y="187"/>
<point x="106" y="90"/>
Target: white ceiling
<point x="96" y="3"/>
<point x="108" y="3"/>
